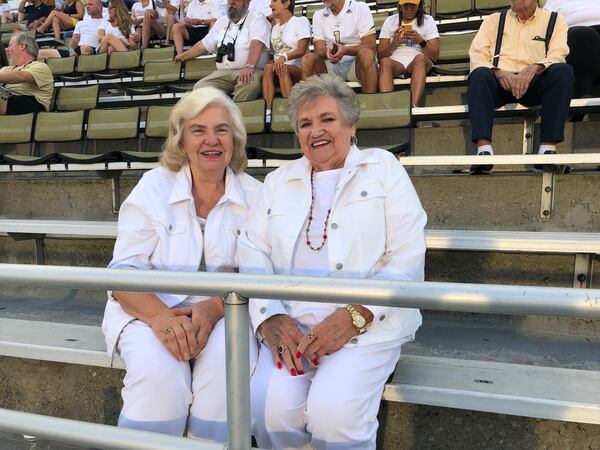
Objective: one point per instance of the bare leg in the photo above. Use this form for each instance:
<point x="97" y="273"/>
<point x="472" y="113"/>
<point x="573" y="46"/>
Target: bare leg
<point x="180" y="34"/>
<point x="418" y="69"/>
<point x="366" y="70"/>
<point x="388" y="70"/>
<point x="291" y="75"/>
<point x="171" y="20"/>
<point x="268" y="85"/>
<point x="312" y="64"/>
<point x="115" y="44"/>
<point x="46" y="53"/>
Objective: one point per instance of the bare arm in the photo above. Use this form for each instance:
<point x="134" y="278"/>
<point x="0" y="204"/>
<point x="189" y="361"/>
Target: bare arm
<point x="432" y="49"/>
<point x="197" y="50"/>
<point x="17" y="76"/>
<point x="320" y="48"/>
<point x="21" y="7"/>
<point x="385" y="48"/>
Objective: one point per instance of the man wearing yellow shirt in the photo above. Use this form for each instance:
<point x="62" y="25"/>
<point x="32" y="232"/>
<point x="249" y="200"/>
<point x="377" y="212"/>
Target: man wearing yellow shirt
<point x="528" y="68"/>
<point x="27" y="84"/>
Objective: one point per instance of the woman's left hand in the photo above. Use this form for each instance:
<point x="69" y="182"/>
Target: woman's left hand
<point x="328" y="336"/>
<point x="204" y="316"/>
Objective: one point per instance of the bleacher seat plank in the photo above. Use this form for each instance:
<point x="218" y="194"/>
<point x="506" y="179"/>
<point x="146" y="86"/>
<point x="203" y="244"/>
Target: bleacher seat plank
<point x="517" y="389"/>
<point x="61" y="228"/>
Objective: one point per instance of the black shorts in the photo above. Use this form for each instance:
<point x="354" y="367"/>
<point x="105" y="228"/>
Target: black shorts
<point x="196" y="34"/>
<point x="22" y="104"/>
<point x="78" y="50"/>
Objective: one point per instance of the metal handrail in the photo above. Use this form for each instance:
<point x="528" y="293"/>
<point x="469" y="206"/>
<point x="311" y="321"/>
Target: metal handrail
<point x="237" y="288"/>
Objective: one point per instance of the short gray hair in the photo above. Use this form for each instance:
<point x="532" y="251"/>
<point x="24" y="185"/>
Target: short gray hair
<point x="173" y="157"/>
<point x="307" y="91"/>
<point x="29" y="42"/>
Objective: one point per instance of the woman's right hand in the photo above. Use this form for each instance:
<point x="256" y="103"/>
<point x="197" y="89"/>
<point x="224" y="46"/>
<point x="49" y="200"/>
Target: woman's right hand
<point x="177" y="333"/>
<point x="281" y="332"/>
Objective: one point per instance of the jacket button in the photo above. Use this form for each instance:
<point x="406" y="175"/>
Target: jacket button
<point x="269" y="211"/>
<point x="263" y="310"/>
<point x="363" y="194"/>
<point x="381" y="317"/>
<point x="339" y="266"/>
<point x="334" y="226"/>
<point x="170" y="227"/>
<point x="354" y="341"/>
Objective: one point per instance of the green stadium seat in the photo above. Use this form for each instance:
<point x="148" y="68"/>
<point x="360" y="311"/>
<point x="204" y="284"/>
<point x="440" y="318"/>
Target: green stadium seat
<point x="487" y="6"/>
<point x="162" y="72"/>
<point x="196" y="69"/>
<point x="105" y="124"/>
<point x="379" y="17"/>
<point x="298" y="10"/>
<point x="124" y="60"/>
<point x="312" y="8"/>
<point x="89" y="64"/>
<point x="157" y="54"/>
<point x="62" y="66"/>
<point x="253" y="113"/>
<point x="16" y="129"/>
<point x="57" y="127"/>
<point x="454" y="48"/>
<point x="157" y="124"/>
<point x="453" y="8"/>
<point x="74" y="98"/>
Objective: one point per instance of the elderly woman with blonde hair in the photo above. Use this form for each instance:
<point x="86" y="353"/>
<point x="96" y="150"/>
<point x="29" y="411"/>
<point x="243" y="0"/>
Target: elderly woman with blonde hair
<point x="336" y="212"/>
<point x="183" y="216"/>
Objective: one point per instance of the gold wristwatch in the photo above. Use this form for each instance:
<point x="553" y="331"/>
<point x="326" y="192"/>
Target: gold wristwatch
<point x="358" y="320"/>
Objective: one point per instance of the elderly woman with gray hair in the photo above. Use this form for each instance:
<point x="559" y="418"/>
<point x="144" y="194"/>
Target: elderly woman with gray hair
<point x="183" y="216"/>
<point x="343" y="213"/>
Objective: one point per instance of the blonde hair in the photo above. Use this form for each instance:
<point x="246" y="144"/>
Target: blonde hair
<point x="173" y="156"/>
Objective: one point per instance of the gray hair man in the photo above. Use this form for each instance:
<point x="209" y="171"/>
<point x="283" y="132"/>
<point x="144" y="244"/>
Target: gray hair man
<point x="240" y="41"/>
<point x="27" y="84"/>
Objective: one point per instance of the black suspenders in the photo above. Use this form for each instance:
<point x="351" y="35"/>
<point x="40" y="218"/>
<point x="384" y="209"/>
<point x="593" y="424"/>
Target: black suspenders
<point x="502" y="21"/>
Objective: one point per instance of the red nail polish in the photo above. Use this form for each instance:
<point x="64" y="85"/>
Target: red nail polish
<point x="279" y="365"/>
<point x="315" y="361"/>
<point x="298" y="354"/>
<point x="300" y="372"/>
<point x="293" y="372"/>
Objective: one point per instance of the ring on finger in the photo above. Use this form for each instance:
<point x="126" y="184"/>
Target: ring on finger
<point x="281" y="349"/>
<point x="168" y="330"/>
<point x="311" y="336"/>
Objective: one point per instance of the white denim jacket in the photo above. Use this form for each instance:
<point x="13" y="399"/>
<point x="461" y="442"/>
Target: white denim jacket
<point x="376" y="231"/>
<point x="158" y="230"/>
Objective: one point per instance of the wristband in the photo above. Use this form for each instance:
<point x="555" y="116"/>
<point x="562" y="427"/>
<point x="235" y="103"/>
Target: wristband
<point x="250" y="66"/>
<point x="423" y="43"/>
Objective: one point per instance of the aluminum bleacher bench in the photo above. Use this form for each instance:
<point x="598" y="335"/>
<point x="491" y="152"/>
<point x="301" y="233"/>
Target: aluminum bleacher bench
<point x="530" y="390"/>
<point x="583" y="245"/>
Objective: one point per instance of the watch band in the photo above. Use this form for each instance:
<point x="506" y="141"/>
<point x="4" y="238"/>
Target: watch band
<point x="358" y="320"/>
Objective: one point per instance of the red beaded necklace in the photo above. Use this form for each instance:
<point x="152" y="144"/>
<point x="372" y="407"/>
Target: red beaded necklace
<point x="310" y="216"/>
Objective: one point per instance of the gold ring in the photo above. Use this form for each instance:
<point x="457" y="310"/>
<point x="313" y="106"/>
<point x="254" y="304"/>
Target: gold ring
<point x="167" y="330"/>
<point x="281" y="349"/>
<point x="311" y="336"/>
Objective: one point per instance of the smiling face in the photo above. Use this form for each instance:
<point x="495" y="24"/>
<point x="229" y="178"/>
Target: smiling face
<point x="207" y="139"/>
<point x="323" y="133"/>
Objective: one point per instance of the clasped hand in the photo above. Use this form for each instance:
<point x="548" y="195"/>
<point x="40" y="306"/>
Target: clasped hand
<point x="336" y="53"/>
<point x="516" y="83"/>
<point x="289" y="345"/>
<point x="185" y="331"/>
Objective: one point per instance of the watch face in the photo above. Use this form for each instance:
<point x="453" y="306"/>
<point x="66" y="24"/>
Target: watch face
<point x="359" y="321"/>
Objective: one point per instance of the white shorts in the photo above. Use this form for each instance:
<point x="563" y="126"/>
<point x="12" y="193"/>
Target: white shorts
<point x="346" y="70"/>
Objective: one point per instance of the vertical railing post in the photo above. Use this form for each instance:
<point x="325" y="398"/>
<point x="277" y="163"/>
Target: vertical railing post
<point x="237" y="349"/>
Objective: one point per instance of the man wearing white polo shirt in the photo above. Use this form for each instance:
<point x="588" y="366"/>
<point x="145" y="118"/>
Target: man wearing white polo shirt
<point x="240" y="41"/>
<point x="200" y="15"/>
<point x="344" y="40"/>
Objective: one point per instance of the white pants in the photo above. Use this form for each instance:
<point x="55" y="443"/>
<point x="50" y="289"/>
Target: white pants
<point x="331" y="407"/>
<point x="160" y="392"/>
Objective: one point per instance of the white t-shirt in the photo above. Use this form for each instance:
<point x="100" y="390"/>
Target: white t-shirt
<point x="159" y="6"/>
<point x="261" y="6"/>
<point x="576" y="12"/>
<point x="314" y="263"/>
<point x="354" y="22"/>
<point x="208" y="9"/>
<point x="407" y="48"/>
<point x="4" y="7"/>
<point x="87" y="29"/>
<point x="253" y="27"/>
<point x="138" y="10"/>
<point x="284" y="38"/>
<point x="110" y="29"/>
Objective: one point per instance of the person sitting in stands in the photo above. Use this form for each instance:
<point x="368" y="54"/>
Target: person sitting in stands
<point x="137" y="13"/>
<point x="182" y="216"/>
<point x="338" y="212"/>
<point x="290" y="36"/>
<point x="5" y="15"/>
<point x="200" y="15"/>
<point x="410" y="45"/>
<point x="34" y="11"/>
<point x="85" y="37"/>
<point x="63" y="20"/>
<point x="526" y="65"/>
<point x="263" y="7"/>
<point x="117" y="33"/>
<point x="345" y="45"/>
<point x="29" y="84"/>
<point x="240" y="40"/>
<point x="583" y="38"/>
<point x="155" y="19"/>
